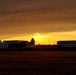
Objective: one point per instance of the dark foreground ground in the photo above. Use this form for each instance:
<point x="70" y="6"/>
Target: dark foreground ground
<point x="37" y="63"/>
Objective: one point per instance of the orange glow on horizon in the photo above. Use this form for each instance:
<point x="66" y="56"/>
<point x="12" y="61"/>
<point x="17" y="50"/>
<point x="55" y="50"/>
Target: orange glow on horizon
<point x="46" y="38"/>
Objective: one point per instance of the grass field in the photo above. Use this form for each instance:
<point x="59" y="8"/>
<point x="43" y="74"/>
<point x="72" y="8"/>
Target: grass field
<point x="37" y="63"/>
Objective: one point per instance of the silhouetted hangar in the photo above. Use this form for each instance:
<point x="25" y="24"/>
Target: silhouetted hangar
<point x="67" y="43"/>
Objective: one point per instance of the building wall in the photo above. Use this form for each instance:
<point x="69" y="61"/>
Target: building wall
<point x="16" y="44"/>
<point x="3" y="45"/>
<point x="66" y="43"/>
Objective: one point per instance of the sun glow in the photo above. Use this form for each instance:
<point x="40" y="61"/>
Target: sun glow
<point x="37" y="33"/>
<point x="44" y="38"/>
<point x="38" y="37"/>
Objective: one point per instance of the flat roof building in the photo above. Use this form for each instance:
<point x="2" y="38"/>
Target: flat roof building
<point x="16" y="43"/>
<point x="67" y="43"/>
<point x="3" y="45"/>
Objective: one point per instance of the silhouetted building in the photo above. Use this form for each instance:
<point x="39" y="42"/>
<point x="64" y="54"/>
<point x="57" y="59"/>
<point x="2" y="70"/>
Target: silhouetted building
<point x="13" y="44"/>
<point x="16" y="44"/>
<point x="3" y="45"/>
<point x="32" y="41"/>
<point x="31" y="44"/>
<point x="66" y="43"/>
<point x="24" y="43"/>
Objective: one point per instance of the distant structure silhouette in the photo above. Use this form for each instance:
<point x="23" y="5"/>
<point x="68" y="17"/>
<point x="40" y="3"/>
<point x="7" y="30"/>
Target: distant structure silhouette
<point x="17" y="44"/>
<point x="3" y="45"/>
<point x="67" y="43"/>
<point x="32" y="42"/>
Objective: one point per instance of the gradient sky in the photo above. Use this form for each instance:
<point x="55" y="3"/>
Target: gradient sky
<point x="52" y="19"/>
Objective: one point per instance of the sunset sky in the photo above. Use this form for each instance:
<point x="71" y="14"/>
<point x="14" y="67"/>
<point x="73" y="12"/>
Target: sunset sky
<point x="47" y="21"/>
